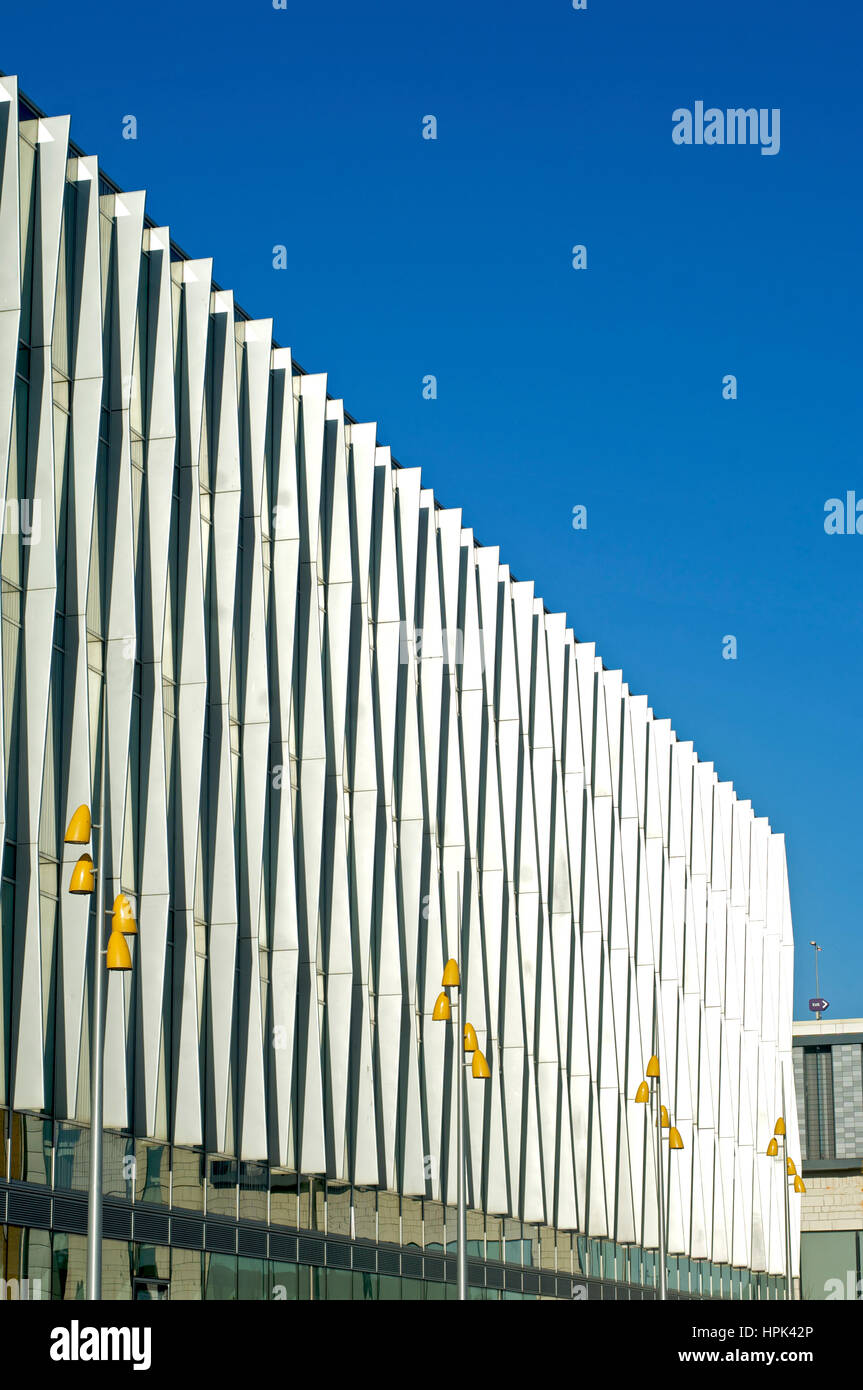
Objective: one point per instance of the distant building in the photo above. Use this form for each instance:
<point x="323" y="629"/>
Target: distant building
<point x="828" y="1074"/>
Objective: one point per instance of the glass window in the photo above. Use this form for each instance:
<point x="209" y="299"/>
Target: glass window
<point x="365" y="1287"/>
<point x="3" y="1132"/>
<point x="117" y="1269"/>
<point x="152" y="1261"/>
<point x="829" y="1265"/>
<point x="512" y="1237"/>
<point x="494" y="1238"/>
<point x="412" y="1290"/>
<point x="547" y="1247"/>
<point x="152" y="1183"/>
<point x="118" y="1163"/>
<point x="72" y="1158"/>
<point x="312" y="1203"/>
<point x="339" y="1284"/>
<point x="819" y="1116"/>
<point x="25" y="1263"/>
<point x="434" y="1292"/>
<point x="389" y="1226"/>
<point x="389" y="1287"/>
<point x="251" y="1279"/>
<point x="187" y="1179"/>
<point x="253" y="1191"/>
<point x="530" y="1245"/>
<point x="30" y="1150"/>
<point x="186" y="1272"/>
<point x="220" y="1273"/>
<point x="68" y="1267"/>
<point x="365" y="1200"/>
<point x="433" y="1225"/>
<point x="476" y="1234"/>
<point x="338" y="1209"/>
<point x="222" y="1187"/>
<point x="283" y="1197"/>
<point x="283" y="1286"/>
<point x="412" y="1222"/>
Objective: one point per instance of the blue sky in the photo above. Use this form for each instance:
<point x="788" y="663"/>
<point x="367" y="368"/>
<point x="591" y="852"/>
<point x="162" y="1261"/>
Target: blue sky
<point x="558" y="387"/>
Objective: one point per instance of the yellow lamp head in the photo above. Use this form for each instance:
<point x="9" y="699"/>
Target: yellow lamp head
<point x="470" y="1043"/>
<point x="451" y="978"/>
<point x="479" y="1067"/>
<point x="122" y="919"/>
<point x="674" y="1139"/>
<point x="653" y="1067"/>
<point x="118" y="957"/>
<point x="642" y="1095"/>
<point x="799" y="1184"/>
<point x="663" y="1117"/>
<point x="772" y="1149"/>
<point x="441" y="1010"/>
<point x="83" y="878"/>
<point x="790" y="1168"/>
<point x="79" y="828"/>
<point x="780" y="1126"/>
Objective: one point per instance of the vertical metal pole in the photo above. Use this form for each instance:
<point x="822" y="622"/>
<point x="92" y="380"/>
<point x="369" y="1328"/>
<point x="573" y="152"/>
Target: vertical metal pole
<point x="97" y="1040"/>
<point x="461" y="1195"/>
<point x="817" y="990"/>
<point x="663" y="1274"/>
<point x="789" y="1285"/>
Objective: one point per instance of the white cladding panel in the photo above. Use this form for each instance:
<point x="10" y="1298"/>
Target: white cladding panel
<point x="341" y="738"/>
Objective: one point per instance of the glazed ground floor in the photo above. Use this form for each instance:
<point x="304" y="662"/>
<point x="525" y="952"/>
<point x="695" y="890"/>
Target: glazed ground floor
<point x="184" y="1224"/>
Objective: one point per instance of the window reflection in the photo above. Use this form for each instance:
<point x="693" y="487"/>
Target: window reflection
<point x="222" y="1187"/>
<point x="283" y="1197"/>
<point x="188" y="1179"/>
<point x="220" y="1275"/>
<point x="282" y="1281"/>
<point x="251" y="1279"/>
<point x="186" y="1275"/>
<point x="30" y="1149"/>
<point x="253" y="1191"/>
<point x="68" y="1267"/>
<point x="412" y="1222"/>
<point x="433" y="1225"/>
<point x="494" y="1237"/>
<point x="72" y="1158"/>
<point x="117" y="1269"/>
<point x="365" y="1213"/>
<point x="338" y="1209"/>
<point x="152" y="1182"/>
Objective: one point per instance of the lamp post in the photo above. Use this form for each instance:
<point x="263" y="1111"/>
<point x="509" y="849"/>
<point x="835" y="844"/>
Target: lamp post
<point x="87" y="876"/>
<point x="443" y="1013"/>
<point x="817" y="948"/>
<point x="645" y="1095"/>
<point x="789" y="1174"/>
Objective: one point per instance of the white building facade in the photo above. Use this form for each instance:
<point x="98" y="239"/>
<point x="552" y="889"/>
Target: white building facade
<point x="344" y="744"/>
